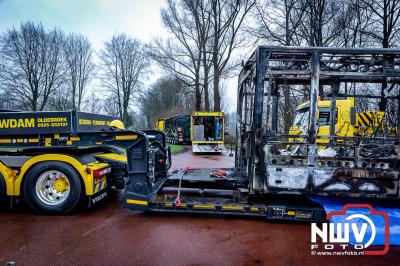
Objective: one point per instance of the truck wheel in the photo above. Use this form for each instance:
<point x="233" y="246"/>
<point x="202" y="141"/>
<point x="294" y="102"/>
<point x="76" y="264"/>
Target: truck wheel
<point x="52" y="188"/>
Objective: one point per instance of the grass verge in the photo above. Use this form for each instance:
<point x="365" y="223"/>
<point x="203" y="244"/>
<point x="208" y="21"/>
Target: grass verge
<point x="176" y="149"/>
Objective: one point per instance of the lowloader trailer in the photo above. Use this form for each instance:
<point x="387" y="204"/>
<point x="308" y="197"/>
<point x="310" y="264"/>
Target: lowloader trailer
<point x="277" y="172"/>
<point x="55" y="160"/>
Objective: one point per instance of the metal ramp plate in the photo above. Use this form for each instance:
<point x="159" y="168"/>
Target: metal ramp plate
<point x="198" y="148"/>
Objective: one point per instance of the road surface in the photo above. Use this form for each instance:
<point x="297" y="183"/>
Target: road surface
<point x="110" y="235"/>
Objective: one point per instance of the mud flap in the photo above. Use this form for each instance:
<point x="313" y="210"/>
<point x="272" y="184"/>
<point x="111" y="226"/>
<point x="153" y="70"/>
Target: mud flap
<point x="98" y="198"/>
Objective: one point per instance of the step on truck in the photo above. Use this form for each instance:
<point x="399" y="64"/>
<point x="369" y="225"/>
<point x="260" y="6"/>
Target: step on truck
<point x="54" y="161"/>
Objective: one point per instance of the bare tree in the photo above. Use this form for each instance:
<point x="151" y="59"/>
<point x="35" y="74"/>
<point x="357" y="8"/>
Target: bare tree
<point x="32" y="64"/>
<point x="384" y="29"/>
<point x="354" y="20"/>
<point x="60" y="99"/>
<point x="181" y="54"/>
<point x="385" y="21"/>
<point x="204" y="35"/>
<point x="320" y="25"/>
<point x="110" y="106"/>
<point x="278" y="21"/>
<point x="310" y="22"/>
<point x="7" y="102"/>
<point x="166" y="97"/>
<point x="124" y="65"/>
<point x="78" y="55"/>
<point x="94" y="104"/>
<point x="226" y="18"/>
<point x="202" y="20"/>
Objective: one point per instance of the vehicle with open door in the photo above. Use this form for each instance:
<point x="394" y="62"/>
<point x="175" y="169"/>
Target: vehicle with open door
<point x="207" y="132"/>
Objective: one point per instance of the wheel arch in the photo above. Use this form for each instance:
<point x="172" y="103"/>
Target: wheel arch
<point x="73" y="162"/>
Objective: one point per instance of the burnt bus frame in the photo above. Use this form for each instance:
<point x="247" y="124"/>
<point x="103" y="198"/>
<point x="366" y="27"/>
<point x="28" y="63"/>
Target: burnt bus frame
<point x="246" y="191"/>
<point x="261" y="78"/>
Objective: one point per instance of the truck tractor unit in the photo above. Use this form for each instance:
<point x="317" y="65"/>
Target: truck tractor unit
<point x="56" y="160"/>
<point x="348" y="122"/>
<point x="207" y="132"/>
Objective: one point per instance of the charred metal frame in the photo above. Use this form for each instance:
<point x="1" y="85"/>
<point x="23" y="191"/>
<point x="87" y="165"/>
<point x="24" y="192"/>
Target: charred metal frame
<point x="267" y="182"/>
<point x="356" y="172"/>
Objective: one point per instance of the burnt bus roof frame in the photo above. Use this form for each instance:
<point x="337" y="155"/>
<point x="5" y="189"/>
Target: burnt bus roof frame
<point x="312" y="66"/>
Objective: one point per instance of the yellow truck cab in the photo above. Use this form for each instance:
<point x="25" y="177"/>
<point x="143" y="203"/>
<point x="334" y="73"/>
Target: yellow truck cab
<point x="160" y="125"/>
<point x="348" y="122"/>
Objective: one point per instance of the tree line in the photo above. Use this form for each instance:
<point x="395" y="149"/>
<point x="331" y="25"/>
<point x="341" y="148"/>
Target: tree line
<point x="335" y="23"/>
<point x="48" y="70"/>
<point x="42" y="69"/>
<point x="209" y="38"/>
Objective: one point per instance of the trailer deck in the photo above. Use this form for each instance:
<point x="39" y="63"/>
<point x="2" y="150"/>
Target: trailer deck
<point x="201" y="192"/>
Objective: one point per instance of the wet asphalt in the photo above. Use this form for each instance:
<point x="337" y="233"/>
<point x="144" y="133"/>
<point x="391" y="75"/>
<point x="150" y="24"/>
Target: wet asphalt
<point x="111" y="235"/>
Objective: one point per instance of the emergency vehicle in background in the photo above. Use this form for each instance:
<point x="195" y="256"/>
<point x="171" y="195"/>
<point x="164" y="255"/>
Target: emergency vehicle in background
<point x="177" y="129"/>
<point x="207" y="132"/>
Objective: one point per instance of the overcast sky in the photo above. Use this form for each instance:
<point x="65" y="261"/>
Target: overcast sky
<point x="98" y="20"/>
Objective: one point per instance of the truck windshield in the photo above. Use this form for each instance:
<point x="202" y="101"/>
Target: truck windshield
<point x="301" y="117"/>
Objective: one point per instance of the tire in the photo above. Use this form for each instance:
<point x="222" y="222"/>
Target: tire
<point x="52" y="188"/>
